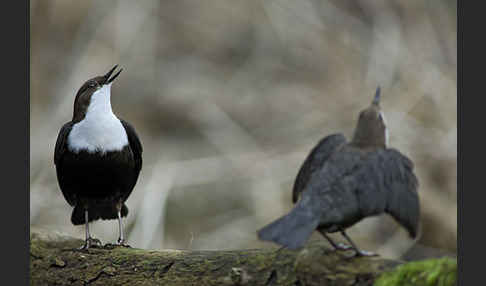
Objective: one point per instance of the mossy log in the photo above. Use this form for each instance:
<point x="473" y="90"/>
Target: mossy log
<point x="54" y="260"/>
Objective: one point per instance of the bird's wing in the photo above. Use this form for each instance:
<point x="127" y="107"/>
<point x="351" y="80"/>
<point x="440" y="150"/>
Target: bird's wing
<point x="137" y="149"/>
<point x="397" y="184"/>
<point x="403" y="200"/>
<point x="135" y="144"/>
<point x="61" y="143"/>
<point x="319" y="154"/>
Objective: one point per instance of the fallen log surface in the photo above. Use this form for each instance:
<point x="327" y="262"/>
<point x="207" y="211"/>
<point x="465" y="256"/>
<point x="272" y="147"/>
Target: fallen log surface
<point x="54" y="260"/>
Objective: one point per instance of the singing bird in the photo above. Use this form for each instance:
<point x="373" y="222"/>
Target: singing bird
<point x="98" y="158"/>
<point x="342" y="182"/>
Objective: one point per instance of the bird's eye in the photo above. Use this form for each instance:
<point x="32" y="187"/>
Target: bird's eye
<point x="92" y="84"/>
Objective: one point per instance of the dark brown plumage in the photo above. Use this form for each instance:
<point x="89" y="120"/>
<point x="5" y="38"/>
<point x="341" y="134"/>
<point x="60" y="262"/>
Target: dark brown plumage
<point x="98" y="158"/>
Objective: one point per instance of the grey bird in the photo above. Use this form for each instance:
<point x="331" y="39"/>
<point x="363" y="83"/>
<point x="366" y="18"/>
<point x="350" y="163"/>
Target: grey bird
<point x="342" y="182"/>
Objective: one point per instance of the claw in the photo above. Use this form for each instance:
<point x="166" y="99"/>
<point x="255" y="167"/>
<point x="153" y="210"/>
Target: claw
<point x="365" y="253"/>
<point x="91" y="243"/>
<point x="342" y="246"/>
<point x="122" y="242"/>
<point x="119" y="243"/>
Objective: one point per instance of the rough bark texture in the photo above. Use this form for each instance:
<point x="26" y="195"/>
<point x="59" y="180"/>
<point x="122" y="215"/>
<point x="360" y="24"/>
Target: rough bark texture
<point x="53" y="261"/>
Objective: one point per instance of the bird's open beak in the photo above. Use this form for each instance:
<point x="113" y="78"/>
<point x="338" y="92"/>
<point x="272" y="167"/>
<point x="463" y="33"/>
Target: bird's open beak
<point x="107" y="75"/>
<point x="376" y="99"/>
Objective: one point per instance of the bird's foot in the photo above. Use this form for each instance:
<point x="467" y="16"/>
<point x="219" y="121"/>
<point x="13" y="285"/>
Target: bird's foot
<point x="122" y="242"/>
<point x="342" y="246"/>
<point x="365" y="253"/>
<point x="119" y="242"/>
<point x="91" y="243"/>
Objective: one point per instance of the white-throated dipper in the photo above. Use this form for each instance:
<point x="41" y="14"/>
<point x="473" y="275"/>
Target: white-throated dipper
<point x="98" y="158"/>
<point x="341" y="182"/>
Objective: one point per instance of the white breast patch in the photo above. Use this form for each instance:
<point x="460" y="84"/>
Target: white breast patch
<point x="100" y="130"/>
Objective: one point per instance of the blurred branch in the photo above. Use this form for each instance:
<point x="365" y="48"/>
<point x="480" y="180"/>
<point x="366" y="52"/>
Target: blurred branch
<point x="54" y="261"/>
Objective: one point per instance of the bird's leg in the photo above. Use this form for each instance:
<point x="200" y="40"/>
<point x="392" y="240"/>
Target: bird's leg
<point x="358" y="252"/>
<point x="337" y="246"/>
<point x="86" y="241"/>
<point x="121" y="239"/>
<point x="89" y="241"/>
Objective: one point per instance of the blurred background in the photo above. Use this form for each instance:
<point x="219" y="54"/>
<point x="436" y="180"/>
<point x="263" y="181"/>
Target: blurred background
<point x="228" y="98"/>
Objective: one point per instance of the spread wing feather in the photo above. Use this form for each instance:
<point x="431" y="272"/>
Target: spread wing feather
<point x="403" y="200"/>
<point x="319" y="154"/>
<point x="388" y="184"/>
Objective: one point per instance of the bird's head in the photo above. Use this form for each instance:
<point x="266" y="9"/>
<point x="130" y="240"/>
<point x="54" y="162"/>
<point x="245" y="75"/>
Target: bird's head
<point x="371" y="130"/>
<point x="95" y="91"/>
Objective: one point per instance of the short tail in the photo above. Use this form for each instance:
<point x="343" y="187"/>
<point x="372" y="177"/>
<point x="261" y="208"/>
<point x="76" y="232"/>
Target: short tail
<point x="291" y="230"/>
<point x="96" y="213"/>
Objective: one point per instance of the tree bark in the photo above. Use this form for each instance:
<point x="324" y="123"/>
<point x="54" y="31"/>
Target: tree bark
<point x="54" y="260"/>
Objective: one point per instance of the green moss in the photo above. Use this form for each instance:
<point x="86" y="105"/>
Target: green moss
<point x="430" y="272"/>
